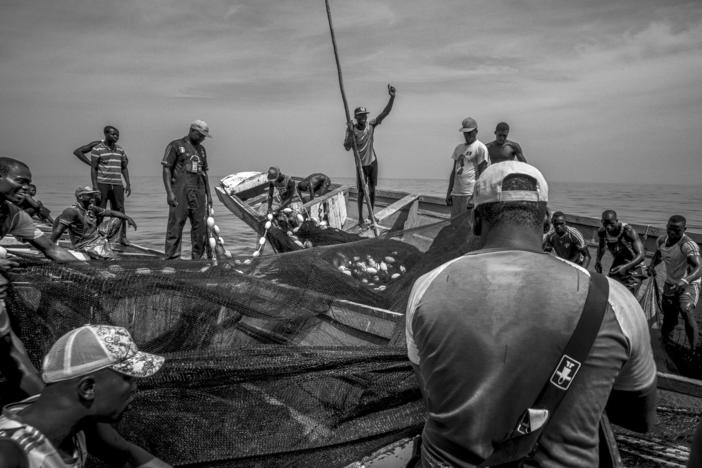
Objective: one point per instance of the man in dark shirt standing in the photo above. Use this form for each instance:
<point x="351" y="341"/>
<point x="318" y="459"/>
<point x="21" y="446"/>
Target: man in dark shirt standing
<point x="502" y="149"/>
<point x="187" y="190"/>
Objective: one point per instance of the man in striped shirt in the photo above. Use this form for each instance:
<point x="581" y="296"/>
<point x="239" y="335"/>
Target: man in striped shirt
<point x="566" y="241"/>
<point x="683" y="269"/>
<point x="108" y="167"/>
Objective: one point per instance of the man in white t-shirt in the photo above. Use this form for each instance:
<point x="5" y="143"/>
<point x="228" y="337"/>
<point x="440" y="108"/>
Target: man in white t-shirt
<point x="469" y="160"/>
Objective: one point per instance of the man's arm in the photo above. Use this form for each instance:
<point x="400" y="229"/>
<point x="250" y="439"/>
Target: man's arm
<point x="292" y="190"/>
<point x="208" y="193"/>
<point x="587" y="258"/>
<point x="51" y="250"/>
<point x="168" y="162"/>
<point x="449" y="198"/>
<point x="271" y="188"/>
<point x="348" y="139"/>
<point x="656" y="259"/>
<point x="388" y="107"/>
<point x="600" y="252"/>
<point x="95" y="161"/>
<point x="11" y="455"/>
<point x="694" y="271"/>
<point x="107" y="444"/>
<point x="125" y="174"/>
<point x="638" y="247"/>
<point x="481" y="167"/>
<point x="120" y="215"/>
<point x="81" y="151"/>
<point x="518" y="152"/>
<point x="635" y="410"/>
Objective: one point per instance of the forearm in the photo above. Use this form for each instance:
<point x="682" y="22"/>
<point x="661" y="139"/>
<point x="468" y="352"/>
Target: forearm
<point x="167" y="176"/>
<point x="586" y="258"/>
<point x="57" y="232"/>
<point x="386" y="111"/>
<point x="125" y="174"/>
<point x="600" y="253"/>
<point x="93" y="176"/>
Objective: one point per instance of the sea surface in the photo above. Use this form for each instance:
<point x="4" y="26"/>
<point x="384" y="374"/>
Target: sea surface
<point x="643" y="204"/>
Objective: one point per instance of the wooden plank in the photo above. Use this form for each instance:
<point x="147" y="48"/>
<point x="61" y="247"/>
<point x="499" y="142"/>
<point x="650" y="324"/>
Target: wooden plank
<point x="398" y="205"/>
<point x="680" y="384"/>
<point x="326" y="196"/>
<point x="241" y="210"/>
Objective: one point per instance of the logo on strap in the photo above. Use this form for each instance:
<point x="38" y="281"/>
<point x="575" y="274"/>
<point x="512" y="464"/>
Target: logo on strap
<point x="565" y="372"/>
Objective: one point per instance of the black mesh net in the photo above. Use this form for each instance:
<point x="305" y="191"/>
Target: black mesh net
<point x="288" y="360"/>
<point x="296" y="359"/>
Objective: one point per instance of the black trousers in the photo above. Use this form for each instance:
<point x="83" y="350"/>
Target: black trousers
<point x="115" y="194"/>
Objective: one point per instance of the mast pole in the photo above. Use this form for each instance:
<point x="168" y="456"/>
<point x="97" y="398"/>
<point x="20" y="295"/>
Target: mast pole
<point x="349" y="125"/>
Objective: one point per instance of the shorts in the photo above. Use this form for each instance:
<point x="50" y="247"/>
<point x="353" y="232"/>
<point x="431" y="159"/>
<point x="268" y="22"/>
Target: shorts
<point x="370" y="174"/>
<point x="687" y="297"/>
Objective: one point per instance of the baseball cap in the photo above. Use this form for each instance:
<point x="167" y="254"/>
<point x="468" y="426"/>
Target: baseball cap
<point x="202" y="127"/>
<point x="94" y="347"/>
<point x="360" y="110"/>
<point x="468" y="125"/>
<point x="84" y="189"/>
<point x="273" y="172"/>
<point x="488" y="187"/>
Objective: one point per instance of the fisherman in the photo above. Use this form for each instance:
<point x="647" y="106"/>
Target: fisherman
<point x="681" y="289"/>
<point x="502" y="149"/>
<point x="485" y="329"/>
<point x="363" y="132"/>
<point x="566" y="241"/>
<point x="108" y="166"/>
<point x="15" y="178"/>
<point x="34" y="207"/>
<point x="87" y="227"/>
<point x="90" y="375"/>
<point x="316" y="184"/>
<point x="289" y="197"/>
<point x="469" y="160"/>
<point x="187" y="190"/>
<point x="626" y="248"/>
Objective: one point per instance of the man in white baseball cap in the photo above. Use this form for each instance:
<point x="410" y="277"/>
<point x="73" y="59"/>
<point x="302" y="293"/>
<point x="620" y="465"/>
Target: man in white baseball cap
<point x="487" y="334"/>
<point x="90" y="377"/>
<point x="469" y="160"/>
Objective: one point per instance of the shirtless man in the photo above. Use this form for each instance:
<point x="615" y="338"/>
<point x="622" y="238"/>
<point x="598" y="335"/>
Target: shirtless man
<point x="566" y="241"/>
<point x="626" y="248"/>
<point x="316" y="184"/>
<point x="681" y="289"/>
<point x="502" y="149"/>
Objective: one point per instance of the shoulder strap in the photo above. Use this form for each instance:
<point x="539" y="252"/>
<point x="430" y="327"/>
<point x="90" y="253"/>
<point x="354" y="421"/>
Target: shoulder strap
<point x="522" y="440"/>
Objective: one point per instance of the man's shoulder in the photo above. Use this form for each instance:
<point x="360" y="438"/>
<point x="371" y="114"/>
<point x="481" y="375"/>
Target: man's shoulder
<point x="513" y="144"/>
<point x="688" y="246"/>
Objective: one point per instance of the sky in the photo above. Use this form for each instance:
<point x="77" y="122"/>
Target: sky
<point x="596" y="91"/>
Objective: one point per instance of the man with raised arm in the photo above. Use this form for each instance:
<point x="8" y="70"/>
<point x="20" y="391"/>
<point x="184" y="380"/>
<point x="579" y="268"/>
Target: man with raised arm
<point x="90" y="375"/>
<point x="566" y="241"/>
<point x="502" y="149"/>
<point x="469" y="161"/>
<point x="486" y="334"/>
<point x="681" y="289"/>
<point x="187" y="190"/>
<point x="626" y="248"/>
<point x="363" y="131"/>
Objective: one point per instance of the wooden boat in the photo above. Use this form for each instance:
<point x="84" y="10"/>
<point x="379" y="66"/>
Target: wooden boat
<point x="245" y="195"/>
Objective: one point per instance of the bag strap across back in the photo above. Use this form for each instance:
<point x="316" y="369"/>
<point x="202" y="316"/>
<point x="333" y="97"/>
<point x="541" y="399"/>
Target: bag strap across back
<point x="523" y="439"/>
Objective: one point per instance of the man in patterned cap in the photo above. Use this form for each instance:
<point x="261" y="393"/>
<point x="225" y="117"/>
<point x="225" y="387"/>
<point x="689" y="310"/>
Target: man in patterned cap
<point x="90" y="381"/>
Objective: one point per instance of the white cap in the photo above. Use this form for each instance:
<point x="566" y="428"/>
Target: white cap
<point x="488" y="187"/>
<point x="201" y="126"/>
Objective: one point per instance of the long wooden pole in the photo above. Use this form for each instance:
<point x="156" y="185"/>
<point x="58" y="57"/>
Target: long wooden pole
<point x="349" y="125"/>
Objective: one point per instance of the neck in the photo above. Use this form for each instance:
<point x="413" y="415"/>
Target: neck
<point x="509" y="237"/>
<point x="57" y="419"/>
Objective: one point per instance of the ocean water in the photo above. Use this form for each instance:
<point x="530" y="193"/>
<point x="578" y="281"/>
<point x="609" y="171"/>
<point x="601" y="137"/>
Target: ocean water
<point x="643" y="204"/>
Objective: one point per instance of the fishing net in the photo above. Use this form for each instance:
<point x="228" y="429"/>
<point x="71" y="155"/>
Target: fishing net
<point x="288" y="360"/>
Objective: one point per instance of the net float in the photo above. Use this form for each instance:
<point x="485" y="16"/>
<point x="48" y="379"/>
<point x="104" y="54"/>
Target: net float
<point x="142" y="271"/>
<point x="247" y="261"/>
<point x="267" y="225"/>
<point x="262" y="240"/>
<point x="216" y="229"/>
<point x="227" y="254"/>
<point x="287" y="210"/>
<point x="300" y="218"/>
<point x="168" y="271"/>
<point x="395" y="276"/>
<point x="210" y="221"/>
<point x="256" y="253"/>
<point x="402" y="269"/>
<point x="389" y="259"/>
<point x="383" y="266"/>
<point x="269" y="216"/>
<point x="212" y="242"/>
<point x="220" y="241"/>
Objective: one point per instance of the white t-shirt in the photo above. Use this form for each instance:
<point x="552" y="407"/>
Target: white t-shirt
<point x="468" y="158"/>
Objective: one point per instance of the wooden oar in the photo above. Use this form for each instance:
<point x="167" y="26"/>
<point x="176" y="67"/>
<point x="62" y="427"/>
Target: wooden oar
<point x="349" y="125"/>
